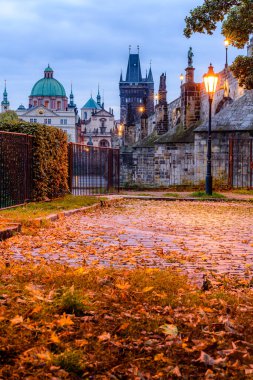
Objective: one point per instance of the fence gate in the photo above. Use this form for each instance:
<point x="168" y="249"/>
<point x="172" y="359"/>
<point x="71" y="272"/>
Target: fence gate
<point x="241" y="163"/>
<point x="15" y="168"/>
<point x="93" y="170"/>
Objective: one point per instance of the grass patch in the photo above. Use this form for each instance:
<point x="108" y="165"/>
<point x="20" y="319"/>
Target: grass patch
<point x="202" y="194"/>
<point x="243" y="191"/>
<point x="151" y="321"/>
<point x="34" y="210"/>
<point x="173" y="195"/>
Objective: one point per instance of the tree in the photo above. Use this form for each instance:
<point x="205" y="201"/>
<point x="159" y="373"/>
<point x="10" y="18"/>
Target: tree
<point x="8" y="116"/>
<point x="237" y="25"/>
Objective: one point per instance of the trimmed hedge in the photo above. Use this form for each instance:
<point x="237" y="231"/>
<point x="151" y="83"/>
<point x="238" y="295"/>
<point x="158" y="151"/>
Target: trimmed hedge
<point x="50" y="157"/>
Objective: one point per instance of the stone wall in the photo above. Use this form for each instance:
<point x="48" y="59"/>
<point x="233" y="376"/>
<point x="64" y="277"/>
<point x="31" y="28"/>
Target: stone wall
<point x="174" y="113"/>
<point x="222" y="161"/>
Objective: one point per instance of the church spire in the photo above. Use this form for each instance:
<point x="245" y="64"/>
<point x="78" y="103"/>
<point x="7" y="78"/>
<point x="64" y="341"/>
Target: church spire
<point x="98" y="97"/>
<point x="71" y="98"/>
<point x="150" y="75"/>
<point x="5" y="104"/>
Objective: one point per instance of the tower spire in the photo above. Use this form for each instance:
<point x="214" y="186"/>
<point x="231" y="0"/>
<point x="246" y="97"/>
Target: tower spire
<point x="98" y="97"/>
<point x="5" y="104"/>
<point x="71" y="98"/>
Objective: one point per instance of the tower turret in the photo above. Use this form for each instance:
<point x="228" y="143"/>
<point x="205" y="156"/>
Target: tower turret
<point x="71" y="99"/>
<point x="5" y="104"/>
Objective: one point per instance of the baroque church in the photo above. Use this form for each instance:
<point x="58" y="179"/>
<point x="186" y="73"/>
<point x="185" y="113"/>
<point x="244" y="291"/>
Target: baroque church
<point x="48" y="104"/>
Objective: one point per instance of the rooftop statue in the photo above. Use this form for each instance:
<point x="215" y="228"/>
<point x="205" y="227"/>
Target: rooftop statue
<point x="190" y="56"/>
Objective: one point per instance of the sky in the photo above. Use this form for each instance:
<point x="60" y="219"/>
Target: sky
<point x="86" y="42"/>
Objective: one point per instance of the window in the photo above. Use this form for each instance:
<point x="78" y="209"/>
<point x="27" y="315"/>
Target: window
<point x="85" y="115"/>
<point x="46" y="103"/>
<point x="49" y="121"/>
<point x="63" y="121"/>
<point x="104" y="143"/>
<point x="58" y="105"/>
<point x="35" y="103"/>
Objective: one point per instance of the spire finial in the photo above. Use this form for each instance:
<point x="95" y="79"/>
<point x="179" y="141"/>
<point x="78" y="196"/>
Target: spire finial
<point x="138" y="49"/>
<point x="130" y="47"/>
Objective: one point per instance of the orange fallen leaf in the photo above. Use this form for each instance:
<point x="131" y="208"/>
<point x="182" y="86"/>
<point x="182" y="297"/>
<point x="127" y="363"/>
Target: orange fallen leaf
<point x="123" y="286"/>
<point x="17" y="320"/>
<point x="147" y="289"/>
<point x="65" y="320"/>
<point x="104" y="336"/>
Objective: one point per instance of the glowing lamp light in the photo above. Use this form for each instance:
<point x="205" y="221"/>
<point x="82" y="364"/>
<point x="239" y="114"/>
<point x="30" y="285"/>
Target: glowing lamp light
<point x="226" y="42"/>
<point x="181" y="77"/>
<point x="120" y="129"/>
<point x="210" y="81"/>
<point x="141" y="109"/>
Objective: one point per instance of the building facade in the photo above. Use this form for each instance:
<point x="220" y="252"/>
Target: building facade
<point x="48" y="104"/>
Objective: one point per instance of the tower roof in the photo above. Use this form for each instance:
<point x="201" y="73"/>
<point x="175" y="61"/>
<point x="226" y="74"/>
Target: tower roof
<point x="48" y="86"/>
<point x="91" y="104"/>
<point x="134" y="69"/>
<point x="150" y="76"/>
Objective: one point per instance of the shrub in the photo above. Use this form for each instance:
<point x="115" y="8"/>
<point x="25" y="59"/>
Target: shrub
<point x="50" y="157"/>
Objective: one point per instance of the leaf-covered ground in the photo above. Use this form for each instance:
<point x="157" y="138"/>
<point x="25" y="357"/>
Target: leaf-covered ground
<point x="101" y="295"/>
<point x="58" y="322"/>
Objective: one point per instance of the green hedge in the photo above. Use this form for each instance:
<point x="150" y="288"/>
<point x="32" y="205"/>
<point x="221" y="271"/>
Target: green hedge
<point x="50" y="157"/>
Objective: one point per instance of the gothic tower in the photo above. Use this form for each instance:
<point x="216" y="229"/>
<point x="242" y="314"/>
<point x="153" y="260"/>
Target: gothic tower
<point x="135" y="88"/>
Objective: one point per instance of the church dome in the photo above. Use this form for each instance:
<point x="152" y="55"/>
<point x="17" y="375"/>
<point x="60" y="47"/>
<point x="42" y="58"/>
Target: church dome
<point x="48" y="86"/>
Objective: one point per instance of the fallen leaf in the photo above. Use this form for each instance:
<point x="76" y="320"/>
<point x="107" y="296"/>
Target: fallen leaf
<point x="17" y="320"/>
<point x="65" y="320"/>
<point x="171" y="330"/>
<point x="104" y="336"/>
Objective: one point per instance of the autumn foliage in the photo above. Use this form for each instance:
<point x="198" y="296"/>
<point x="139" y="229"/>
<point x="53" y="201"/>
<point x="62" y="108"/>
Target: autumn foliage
<point x="50" y="157"/>
<point x="59" y="322"/>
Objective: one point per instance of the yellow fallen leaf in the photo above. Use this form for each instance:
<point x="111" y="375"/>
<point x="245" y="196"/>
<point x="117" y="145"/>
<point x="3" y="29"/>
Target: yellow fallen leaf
<point x="123" y="286"/>
<point x="124" y="326"/>
<point x="54" y="338"/>
<point x="104" y="336"/>
<point x="169" y="330"/>
<point x="65" y="320"/>
<point x="45" y="356"/>
<point x="147" y="289"/>
<point x="17" y="320"/>
<point x="81" y="342"/>
<point x="36" y="310"/>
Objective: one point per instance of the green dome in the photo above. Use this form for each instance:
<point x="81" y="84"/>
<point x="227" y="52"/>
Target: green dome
<point x="48" y="87"/>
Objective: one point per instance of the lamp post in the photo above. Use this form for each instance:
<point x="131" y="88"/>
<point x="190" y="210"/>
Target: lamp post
<point x="210" y="82"/>
<point x="226" y="43"/>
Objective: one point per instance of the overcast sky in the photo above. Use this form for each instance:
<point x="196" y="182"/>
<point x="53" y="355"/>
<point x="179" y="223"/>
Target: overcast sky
<point x="86" y="43"/>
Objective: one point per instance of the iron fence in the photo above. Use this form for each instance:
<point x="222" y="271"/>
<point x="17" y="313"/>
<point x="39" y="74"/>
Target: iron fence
<point x="93" y="170"/>
<point x="15" y="168"/>
<point x="241" y="163"/>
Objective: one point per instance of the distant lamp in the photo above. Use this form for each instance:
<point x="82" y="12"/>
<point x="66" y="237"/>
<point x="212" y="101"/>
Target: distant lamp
<point x="226" y="43"/>
<point x="210" y="82"/>
<point x="156" y="98"/>
<point x="120" y="130"/>
<point x="181" y="78"/>
<point x="141" y="109"/>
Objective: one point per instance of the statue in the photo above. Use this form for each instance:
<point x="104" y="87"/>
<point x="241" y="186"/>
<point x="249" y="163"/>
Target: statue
<point x="190" y="55"/>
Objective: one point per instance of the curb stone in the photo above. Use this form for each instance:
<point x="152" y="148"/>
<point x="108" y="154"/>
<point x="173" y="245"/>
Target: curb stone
<point x="10" y="231"/>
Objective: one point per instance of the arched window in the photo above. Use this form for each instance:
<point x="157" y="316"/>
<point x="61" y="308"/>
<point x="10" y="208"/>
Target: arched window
<point x="85" y="115"/>
<point x="104" y="143"/>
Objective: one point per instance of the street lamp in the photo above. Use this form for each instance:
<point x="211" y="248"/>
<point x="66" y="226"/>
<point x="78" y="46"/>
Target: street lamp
<point x="226" y="43"/>
<point x="181" y="78"/>
<point x="210" y="82"/>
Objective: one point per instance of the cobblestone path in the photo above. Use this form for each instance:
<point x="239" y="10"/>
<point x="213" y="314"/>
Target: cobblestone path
<point x="198" y="237"/>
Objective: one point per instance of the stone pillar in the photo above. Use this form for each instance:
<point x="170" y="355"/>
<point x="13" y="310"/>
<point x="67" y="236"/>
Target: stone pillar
<point x="190" y="100"/>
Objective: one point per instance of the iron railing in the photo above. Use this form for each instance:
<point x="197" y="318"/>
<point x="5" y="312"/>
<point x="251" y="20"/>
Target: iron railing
<point x="93" y="170"/>
<point x="241" y="163"/>
<point x="15" y="168"/>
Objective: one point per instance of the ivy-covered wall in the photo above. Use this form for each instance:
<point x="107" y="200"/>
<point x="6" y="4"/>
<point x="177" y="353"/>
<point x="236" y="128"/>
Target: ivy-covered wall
<point x="50" y="157"/>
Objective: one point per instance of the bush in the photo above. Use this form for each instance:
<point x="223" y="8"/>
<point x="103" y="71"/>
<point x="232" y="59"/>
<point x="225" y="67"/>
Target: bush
<point x="50" y="157"/>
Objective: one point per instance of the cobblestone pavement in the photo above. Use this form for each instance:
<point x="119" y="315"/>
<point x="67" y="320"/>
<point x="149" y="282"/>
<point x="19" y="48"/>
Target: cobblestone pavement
<point x="197" y="237"/>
